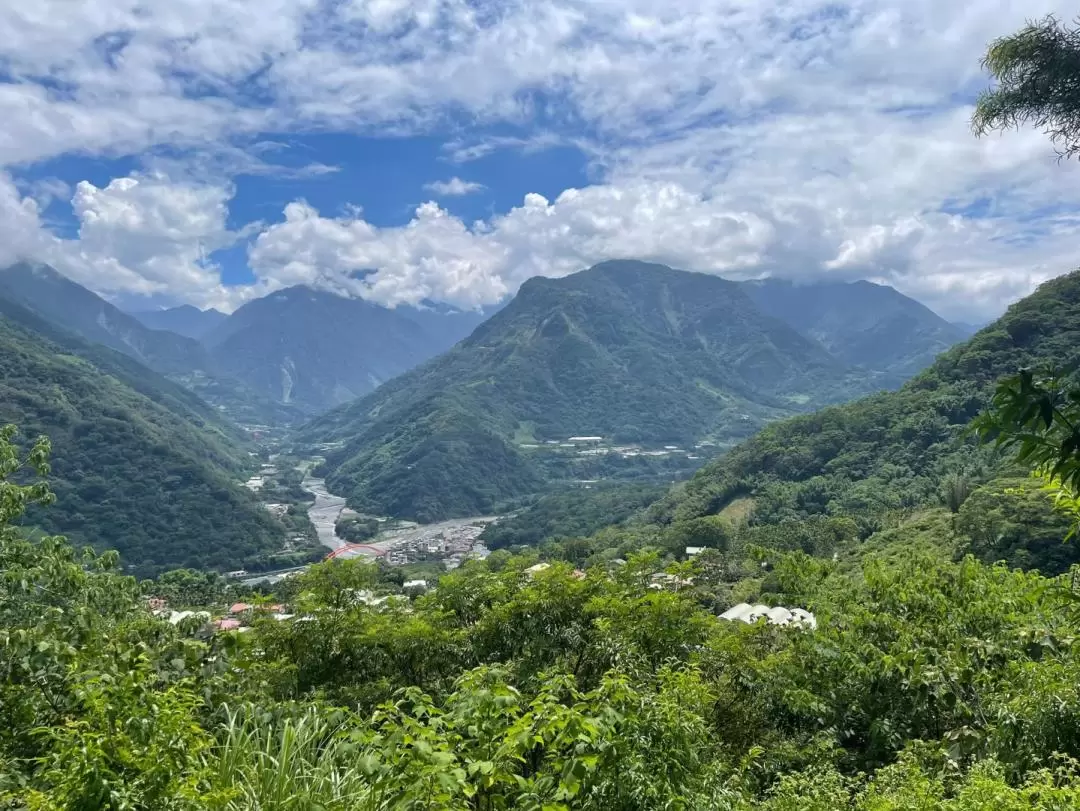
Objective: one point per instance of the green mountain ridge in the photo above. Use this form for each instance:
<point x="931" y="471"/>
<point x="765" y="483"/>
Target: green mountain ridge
<point x="140" y="464"/>
<point x="626" y="350"/>
<point x="892" y="450"/>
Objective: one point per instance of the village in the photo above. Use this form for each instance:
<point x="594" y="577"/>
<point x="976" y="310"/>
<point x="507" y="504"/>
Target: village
<point x="586" y="446"/>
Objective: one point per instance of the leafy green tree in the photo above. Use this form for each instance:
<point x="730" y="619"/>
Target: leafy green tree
<point x="95" y="699"/>
<point x="1038" y="75"/>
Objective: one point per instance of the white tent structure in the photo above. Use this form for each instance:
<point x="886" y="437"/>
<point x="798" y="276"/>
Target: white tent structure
<point x="775" y="615"/>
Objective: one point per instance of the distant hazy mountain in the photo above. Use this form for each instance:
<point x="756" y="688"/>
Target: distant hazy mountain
<point x="139" y="464"/>
<point x="861" y="323"/>
<point x="65" y="303"/>
<point x="968" y="329"/>
<point x="183" y="320"/>
<point x="73" y="308"/>
<point x="315" y="350"/>
<point x="625" y="350"/>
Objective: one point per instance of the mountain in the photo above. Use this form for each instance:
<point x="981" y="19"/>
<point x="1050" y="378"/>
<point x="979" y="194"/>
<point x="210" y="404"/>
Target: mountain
<point x="860" y="323"/>
<point x="314" y="350"/>
<point x="73" y="308"/>
<point x="966" y="329"/>
<point x="184" y="320"/>
<point x="630" y="351"/>
<point x="897" y="449"/>
<point x="58" y="299"/>
<point x="139" y="464"/>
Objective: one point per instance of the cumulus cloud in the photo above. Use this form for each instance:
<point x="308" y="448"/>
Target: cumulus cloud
<point x="454" y="187"/>
<point x="147" y="235"/>
<point x="802" y="138"/>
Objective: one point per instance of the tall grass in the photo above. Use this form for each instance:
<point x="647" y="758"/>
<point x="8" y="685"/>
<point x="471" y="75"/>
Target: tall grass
<point x="299" y="763"/>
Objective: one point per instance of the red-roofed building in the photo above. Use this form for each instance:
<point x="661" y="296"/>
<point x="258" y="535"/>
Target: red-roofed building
<point x="227" y="624"/>
<point x="239" y="608"/>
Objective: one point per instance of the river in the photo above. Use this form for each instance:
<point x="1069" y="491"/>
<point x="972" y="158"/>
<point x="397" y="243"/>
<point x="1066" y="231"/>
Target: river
<point x="324" y="512"/>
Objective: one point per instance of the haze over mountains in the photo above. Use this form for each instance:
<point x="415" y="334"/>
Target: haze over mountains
<point x="315" y="350"/>
<point x="861" y="323"/>
<point x="282" y="358"/>
<point x="183" y="320"/>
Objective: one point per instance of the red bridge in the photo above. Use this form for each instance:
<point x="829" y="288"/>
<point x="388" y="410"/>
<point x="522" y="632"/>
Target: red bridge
<point x="355" y="547"/>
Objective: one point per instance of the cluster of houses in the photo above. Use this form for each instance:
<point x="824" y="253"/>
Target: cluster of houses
<point x="596" y="446"/>
<point x="452" y="546"/>
<point x="238" y="618"/>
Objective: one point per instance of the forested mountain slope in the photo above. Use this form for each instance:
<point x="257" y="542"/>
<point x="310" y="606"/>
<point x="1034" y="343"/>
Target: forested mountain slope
<point x="861" y="323"/>
<point x="140" y="464"/>
<point x="890" y="449"/>
<point x="73" y="308"/>
<point x="59" y="300"/>
<point x="626" y="350"/>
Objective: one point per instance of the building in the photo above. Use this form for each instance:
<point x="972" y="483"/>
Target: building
<point x="415" y="584"/>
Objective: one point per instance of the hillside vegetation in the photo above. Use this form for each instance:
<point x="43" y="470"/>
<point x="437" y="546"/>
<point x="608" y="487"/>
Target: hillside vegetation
<point x="926" y="684"/>
<point x="140" y="464"/>
<point x="626" y="350"/>
<point x="891" y="450"/>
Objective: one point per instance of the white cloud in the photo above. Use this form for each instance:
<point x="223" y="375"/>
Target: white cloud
<point x="147" y="235"/>
<point x="801" y="137"/>
<point x="454" y="187"/>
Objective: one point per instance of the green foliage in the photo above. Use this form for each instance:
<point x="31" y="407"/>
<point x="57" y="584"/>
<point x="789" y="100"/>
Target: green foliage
<point x="926" y="684"/>
<point x="139" y="464"/>
<point x="571" y="513"/>
<point x="1037" y="70"/>
<point x="893" y="453"/>
<point x="95" y="700"/>
<point x="1038" y="417"/>
<point x="1014" y="520"/>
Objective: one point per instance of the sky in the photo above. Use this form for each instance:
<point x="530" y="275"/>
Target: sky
<point x="211" y="151"/>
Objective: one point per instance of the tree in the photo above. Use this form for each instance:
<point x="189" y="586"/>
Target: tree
<point x="1038" y="75"/>
<point x="95" y="700"/>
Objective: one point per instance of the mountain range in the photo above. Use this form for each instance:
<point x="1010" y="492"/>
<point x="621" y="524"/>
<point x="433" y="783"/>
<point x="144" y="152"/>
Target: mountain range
<point x="629" y="351"/>
<point x="278" y="359"/>
<point x="861" y="324"/>
<point x="633" y="352"/>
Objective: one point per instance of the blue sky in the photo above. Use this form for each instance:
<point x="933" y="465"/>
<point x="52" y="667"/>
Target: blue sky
<point x="211" y="151"/>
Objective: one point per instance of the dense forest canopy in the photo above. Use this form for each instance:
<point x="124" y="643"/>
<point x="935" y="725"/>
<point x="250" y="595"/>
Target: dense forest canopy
<point x="140" y="464"/>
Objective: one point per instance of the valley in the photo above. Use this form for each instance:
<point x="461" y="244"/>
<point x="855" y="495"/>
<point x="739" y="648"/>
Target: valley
<point x="326" y="510"/>
<point x="412" y="406"/>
